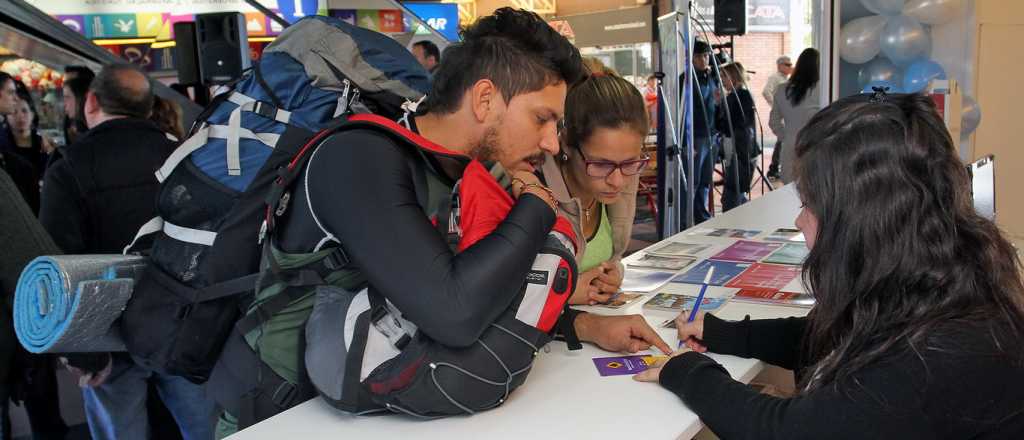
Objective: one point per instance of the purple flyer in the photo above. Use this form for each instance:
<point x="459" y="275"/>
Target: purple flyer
<point x="747" y="251"/>
<point x="620" y="365"/>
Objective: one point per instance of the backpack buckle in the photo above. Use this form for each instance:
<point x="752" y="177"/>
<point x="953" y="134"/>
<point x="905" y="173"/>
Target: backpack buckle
<point x="336" y="260"/>
<point x="284" y="395"/>
<point x="265" y="109"/>
<point x="282" y="203"/>
<point x="389" y="326"/>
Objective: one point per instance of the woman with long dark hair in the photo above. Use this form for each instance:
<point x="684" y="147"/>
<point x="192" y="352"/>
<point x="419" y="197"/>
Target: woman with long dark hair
<point x="737" y="125"/>
<point x="919" y="318"/>
<point x="793" y="105"/>
<point x="74" y="92"/>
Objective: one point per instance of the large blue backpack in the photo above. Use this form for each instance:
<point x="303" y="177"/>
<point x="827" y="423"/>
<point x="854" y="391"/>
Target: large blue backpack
<point x="207" y="238"/>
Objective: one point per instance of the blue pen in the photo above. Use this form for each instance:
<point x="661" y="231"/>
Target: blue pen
<point x="700" y="298"/>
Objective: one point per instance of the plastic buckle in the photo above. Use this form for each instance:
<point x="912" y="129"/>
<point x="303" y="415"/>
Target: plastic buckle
<point x="337" y="259"/>
<point x="264" y="109"/>
<point x="284" y="395"/>
<point x="390" y="328"/>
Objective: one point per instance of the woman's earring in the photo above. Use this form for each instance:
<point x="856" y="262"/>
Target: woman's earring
<point x="564" y="157"/>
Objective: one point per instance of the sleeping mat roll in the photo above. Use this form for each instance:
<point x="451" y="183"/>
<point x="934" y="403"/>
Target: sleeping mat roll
<point x="69" y="303"/>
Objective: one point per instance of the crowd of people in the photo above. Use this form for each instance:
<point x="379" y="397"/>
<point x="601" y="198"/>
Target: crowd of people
<point x="920" y="308"/>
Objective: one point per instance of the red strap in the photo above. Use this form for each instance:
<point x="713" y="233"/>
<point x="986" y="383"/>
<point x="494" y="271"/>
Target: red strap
<point x="404" y="132"/>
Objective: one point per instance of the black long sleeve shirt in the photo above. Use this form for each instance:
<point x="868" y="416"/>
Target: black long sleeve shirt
<point x="363" y="188"/>
<point x="958" y="384"/>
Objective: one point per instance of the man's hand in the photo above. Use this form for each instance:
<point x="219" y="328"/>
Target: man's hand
<point x="629" y="333"/>
<point x="85" y="374"/>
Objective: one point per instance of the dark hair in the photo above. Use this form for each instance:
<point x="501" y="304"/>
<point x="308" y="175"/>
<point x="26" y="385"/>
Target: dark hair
<point x="23" y="94"/>
<point x="79" y="87"/>
<point x="4" y="76"/>
<point x="167" y="116"/>
<point x="805" y="76"/>
<point x="120" y="91"/>
<point x="514" y="48"/>
<point x="79" y="72"/>
<point x="429" y="49"/>
<point x="602" y="101"/>
<point x="900" y="248"/>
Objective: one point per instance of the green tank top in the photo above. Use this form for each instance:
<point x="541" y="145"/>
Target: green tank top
<point x="599" y="247"/>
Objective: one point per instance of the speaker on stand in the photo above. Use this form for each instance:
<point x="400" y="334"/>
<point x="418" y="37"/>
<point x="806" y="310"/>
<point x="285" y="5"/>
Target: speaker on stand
<point x="730" y="17"/>
<point x="223" y="46"/>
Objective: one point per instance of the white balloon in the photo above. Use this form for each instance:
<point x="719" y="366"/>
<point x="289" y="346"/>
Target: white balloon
<point x="904" y="39"/>
<point x="859" y="39"/>
<point x="879" y="69"/>
<point x="933" y="11"/>
<point x="970" y="115"/>
<point x="884" y="7"/>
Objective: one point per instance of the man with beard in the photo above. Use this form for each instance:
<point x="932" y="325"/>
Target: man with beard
<point x="499" y="96"/>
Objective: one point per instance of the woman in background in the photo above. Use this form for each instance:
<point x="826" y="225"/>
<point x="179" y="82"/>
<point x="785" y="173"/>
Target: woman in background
<point x="919" y="320"/>
<point x="739" y="127"/>
<point x="794" y="104"/>
<point x="74" y="92"/>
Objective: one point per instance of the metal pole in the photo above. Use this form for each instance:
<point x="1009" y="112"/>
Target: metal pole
<point x="684" y="44"/>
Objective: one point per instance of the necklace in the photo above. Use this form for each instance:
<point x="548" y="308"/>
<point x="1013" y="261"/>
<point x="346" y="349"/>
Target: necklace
<point x="586" y="211"/>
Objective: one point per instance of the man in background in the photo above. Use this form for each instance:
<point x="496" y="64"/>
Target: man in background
<point x="427" y="53"/>
<point x="784" y="67"/>
<point x="95" y="197"/>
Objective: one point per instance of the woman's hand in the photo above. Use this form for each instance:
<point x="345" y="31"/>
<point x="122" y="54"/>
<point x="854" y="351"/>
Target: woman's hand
<point x="586" y="292"/>
<point x="610" y="279"/>
<point x="691" y="333"/>
<point x="653" y="374"/>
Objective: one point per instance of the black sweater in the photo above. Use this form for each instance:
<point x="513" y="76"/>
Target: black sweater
<point x="957" y="384"/>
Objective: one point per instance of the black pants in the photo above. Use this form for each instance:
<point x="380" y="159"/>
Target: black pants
<point x="33" y="382"/>
<point x="773" y="169"/>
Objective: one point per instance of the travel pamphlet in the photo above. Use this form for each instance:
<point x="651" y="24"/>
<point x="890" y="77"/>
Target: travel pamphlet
<point x="786" y="235"/>
<point x="677" y="249"/>
<point x="769" y="296"/>
<point x="621" y="365"/>
<point x="670" y="302"/>
<point x="789" y="253"/>
<point x="621" y="299"/>
<point x="748" y="251"/>
<point x="667" y="263"/>
<point x="724" y="271"/>
<point x="765" y="276"/>
<point x="727" y="232"/>
<point x="644" y="281"/>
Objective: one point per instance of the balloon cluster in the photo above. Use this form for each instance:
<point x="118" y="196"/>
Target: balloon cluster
<point x="893" y="47"/>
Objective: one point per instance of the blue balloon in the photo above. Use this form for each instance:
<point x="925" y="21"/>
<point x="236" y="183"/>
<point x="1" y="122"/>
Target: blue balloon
<point x="885" y="85"/>
<point x="920" y="73"/>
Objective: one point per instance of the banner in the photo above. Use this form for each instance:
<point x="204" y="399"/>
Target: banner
<point x="762" y="15"/>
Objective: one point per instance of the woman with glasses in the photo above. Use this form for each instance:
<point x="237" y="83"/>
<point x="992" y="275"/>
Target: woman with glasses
<point x="600" y="162"/>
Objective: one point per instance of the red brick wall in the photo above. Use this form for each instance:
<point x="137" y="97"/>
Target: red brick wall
<point x="758" y="52"/>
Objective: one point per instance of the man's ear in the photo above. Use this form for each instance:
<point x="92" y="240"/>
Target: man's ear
<point x="92" y="105"/>
<point x="484" y="99"/>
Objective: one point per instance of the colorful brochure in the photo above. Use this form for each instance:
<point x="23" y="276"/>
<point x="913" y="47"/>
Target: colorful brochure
<point x="769" y="296"/>
<point x="677" y="249"/>
<point x="748" y="251"/>
<point x="786" y="235"/>
<point x="724" y="271"/>
<point x="790" y="253"/>
<point x="620" y="365"/>
<point x="667" y="263"/>
<point x="670" y="302"/>
<point x="766" y="276"/>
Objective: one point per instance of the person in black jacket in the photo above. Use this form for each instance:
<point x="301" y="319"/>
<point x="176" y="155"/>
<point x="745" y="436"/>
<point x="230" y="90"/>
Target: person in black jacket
<point x="95" y="197"/>
<point x="24" y="377"/>
<point x="737" y="126"/>
<point x="919" y="319"/>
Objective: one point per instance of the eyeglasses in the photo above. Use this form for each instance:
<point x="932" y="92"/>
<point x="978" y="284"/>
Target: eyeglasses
<point x="605" y="168"/>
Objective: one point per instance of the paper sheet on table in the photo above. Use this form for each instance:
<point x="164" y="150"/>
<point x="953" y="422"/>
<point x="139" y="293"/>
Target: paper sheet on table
<point x="644" y="281"/>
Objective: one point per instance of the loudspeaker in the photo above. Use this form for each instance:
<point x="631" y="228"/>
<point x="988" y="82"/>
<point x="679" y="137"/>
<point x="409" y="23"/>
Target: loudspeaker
<point x="730" y="17"/>
<point x="223" y="46"/>
<point x="186" y="54"/>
